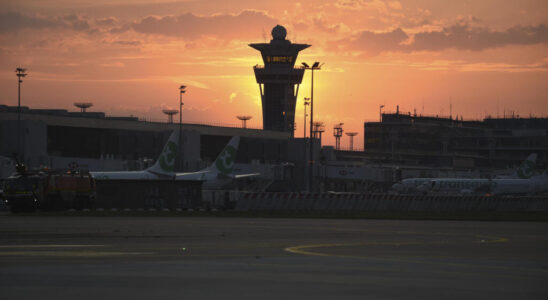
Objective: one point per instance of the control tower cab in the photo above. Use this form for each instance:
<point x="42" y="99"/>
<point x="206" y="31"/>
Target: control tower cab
<point x="277" y="80"/>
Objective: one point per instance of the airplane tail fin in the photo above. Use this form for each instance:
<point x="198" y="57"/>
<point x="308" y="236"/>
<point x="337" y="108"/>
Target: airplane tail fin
<point x="224" y="163"/>
<point x="165" y="164"/>
<point x="527" y="167"/>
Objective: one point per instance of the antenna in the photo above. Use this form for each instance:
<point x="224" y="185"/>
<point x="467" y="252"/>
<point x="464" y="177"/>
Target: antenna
<point x="351" y="135"/>
<point x="264" y="35"/>
<point x="83" y="105"/>
<point x="450" y="107"/>
<point x="244" y="120"/>
<point x="170" y="113"/>
<point x="337" y="133"/>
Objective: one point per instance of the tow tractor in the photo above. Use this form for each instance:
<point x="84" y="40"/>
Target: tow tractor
<point x="48" y="190"/>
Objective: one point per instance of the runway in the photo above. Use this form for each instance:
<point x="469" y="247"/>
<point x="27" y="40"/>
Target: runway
<point x="250" y="258"/>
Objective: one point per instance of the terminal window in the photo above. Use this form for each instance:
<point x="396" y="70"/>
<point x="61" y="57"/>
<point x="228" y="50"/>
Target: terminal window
<point x="279" y="59"/>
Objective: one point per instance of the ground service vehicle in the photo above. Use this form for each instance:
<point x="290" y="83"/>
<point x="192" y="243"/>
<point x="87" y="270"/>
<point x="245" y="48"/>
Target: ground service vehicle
<point x="49" y="191"/>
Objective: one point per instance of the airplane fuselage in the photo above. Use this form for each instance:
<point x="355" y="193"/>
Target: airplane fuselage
<point x="129" y="175"/>
<point x="460" y="185"/>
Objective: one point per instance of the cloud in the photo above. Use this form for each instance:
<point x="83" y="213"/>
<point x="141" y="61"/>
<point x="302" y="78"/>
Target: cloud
<point x="113" y="65"/>
<point x="111" y="21"/>
<point x="127" y="43"/>
<point x="248" y="23"/>
<point x="395" y="5"/>
<point x="15" y="21"/>
<point x="323" y="25"/>
<point x="458" y="36"/>
<point x="465" y="37"/>
<point x="232" y="97"/>
<point x="75" y="22"/>
<point x="372" y="43"/>
<point x="373" y="5"/>
<point x="464" y="66"/>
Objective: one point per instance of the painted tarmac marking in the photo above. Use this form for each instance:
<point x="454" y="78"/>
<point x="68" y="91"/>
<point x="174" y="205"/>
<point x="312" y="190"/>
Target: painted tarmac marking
<point x="303" y="250"/>
<point x="41" y="251"/>
<point x="48" y="246"/>
<point x="71" y="253"/>
<point x="491" y="239"/>
<point x="299" y="249"/>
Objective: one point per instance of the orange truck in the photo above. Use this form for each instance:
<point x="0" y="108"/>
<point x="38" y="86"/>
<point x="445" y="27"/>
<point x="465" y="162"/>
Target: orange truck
<point x="49" y="191"/>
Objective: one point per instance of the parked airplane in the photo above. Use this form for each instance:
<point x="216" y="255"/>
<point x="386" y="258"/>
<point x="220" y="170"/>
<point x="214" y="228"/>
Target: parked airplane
<point x="162" y="169"/>
<point x="220" y="172"/>
<point x="471" y="185"/>
<point x="460" y="186"/>
<point x="525" y="170"/>
<point x="534" y="185"/>
<point x="214" y="176"/>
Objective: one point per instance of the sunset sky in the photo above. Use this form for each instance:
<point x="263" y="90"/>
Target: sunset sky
<point x="483" y="57"/>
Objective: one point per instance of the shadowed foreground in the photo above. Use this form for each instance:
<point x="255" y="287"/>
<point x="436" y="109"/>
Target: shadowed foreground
<point x="235" y="258"/>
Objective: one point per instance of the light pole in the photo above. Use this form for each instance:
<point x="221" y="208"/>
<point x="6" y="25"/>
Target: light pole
<point x="20" y="74"/>
<point x="181" y="92"/>
<point x="380" y="112"/>
<point x="306" y="103"/>
<point x="315" y="66"/>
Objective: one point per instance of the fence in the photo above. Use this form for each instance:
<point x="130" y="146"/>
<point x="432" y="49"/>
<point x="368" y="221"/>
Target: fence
<point x="248" y="201"/>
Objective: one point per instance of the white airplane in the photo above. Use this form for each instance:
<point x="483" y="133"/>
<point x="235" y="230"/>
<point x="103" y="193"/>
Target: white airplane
<point x="463" y="186"/>
<point x="215" y="176"/>
<point x="220" y="172"/>
<point x="525" y="170"/>
<point x="469" y="185"/>
<point x="162" y="169"/>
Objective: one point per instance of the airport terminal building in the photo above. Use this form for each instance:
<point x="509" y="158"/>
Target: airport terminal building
<point x="492" y="143"/>
<point x="92" y="141"/>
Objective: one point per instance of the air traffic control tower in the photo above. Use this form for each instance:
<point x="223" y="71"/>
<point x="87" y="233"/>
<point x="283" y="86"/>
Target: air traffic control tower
<point x="277" y="80"/>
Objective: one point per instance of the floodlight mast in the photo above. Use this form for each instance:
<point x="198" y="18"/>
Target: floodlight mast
<point x="315" y="66"/>
<point x="306" y="103"/>
<point x="20" y="74"/>
<point x="181" y="92"/>
<point x="337" y="133"/>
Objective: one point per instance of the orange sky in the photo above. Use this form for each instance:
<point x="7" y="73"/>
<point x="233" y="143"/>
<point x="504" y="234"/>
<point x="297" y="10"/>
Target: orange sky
<point x="129" y="57"/>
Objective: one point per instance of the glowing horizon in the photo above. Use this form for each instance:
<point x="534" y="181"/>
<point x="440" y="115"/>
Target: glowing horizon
<point x="473" y="58"/>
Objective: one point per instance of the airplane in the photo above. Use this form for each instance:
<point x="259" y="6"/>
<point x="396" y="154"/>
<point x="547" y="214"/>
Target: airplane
<point x="506" y="186"/>
<point x="525" y="170"/>
<point x="527" y="186"/>
<point x="162" y="169"/>
<point x="215" y="176"/>
<point x="467" y="185"/>
<point x="220" y="172"/>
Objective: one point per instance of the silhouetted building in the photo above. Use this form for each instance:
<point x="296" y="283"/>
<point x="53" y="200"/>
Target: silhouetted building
<point x="59" y="139"/>
<point x="435" y="141"/>
<point x="277" y="80"/>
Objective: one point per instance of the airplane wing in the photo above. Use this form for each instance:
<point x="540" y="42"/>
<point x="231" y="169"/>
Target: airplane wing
<point x="246" y="175"/>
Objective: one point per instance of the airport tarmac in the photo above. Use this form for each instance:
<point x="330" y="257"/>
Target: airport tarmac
<point x="265" y="258"/>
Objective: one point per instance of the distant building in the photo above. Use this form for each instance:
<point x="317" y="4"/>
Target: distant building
<point x="445" y="142"/>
